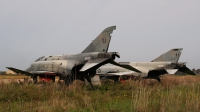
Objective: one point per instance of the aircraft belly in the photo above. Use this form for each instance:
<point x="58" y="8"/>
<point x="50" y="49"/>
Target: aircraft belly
<point x="142" y="69"/>
<point x="139" y="74"/>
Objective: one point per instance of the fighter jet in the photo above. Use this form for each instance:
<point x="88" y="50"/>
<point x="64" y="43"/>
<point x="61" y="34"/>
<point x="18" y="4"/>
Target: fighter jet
<point x="165" y="64"/>
<point x="78" y="66"/>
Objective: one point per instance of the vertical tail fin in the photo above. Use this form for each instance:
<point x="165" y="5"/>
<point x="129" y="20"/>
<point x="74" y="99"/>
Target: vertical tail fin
<point x="101" y="43"/>
<point x="172" y="55"/>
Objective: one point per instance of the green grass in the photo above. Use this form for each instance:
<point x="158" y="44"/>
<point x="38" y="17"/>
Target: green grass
<point x="175" y="94"/>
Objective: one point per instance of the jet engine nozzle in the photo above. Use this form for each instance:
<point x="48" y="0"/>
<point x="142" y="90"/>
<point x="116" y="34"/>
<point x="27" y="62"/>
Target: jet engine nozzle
<point x="173" y="65"/>
<point x="111" y="55"/>
<point x="117" y="54"/>
<point x="181" y="65"/>
<point x="114" y="54"/>
<point x="178" y="65"/>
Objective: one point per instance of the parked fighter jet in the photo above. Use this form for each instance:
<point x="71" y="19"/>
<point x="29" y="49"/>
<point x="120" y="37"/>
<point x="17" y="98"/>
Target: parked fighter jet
<point x="78" y="66"/>
<point x="165" y="64"/>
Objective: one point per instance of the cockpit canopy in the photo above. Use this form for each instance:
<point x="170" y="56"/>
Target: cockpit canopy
<point x="39" y="58"/>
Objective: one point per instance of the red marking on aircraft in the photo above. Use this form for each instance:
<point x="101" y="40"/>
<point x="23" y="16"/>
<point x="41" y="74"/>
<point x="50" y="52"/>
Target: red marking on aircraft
<point x="47" y="73"/>
<point x="44" y="79"/>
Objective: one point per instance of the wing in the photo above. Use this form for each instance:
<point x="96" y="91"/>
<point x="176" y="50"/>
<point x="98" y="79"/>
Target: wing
<point x="186" y="70"/>
<point x="19" y="71"/>
<point x="30" y="73"/>
<point x="93" y="64"/>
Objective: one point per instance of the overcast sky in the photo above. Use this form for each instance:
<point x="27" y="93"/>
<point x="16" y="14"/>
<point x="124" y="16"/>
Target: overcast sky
<point x="145" y="28"/>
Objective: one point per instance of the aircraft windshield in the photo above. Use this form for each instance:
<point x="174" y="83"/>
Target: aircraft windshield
<point x="39" y="58"/>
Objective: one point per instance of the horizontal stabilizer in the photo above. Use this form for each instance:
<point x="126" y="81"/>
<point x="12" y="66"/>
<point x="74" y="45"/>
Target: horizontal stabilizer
<point x="94" y="64"/>
<point x="19" y="71"/>
<point x="186" y="70"/>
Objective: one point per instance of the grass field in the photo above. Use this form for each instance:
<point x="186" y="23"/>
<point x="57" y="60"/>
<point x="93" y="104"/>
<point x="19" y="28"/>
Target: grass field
<point x="175" y="94"/>
<point x="13" y="76"/>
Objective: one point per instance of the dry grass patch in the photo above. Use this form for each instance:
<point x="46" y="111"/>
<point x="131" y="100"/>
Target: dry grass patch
<point x="176" y="93"/>
<point x="13" y="76"/>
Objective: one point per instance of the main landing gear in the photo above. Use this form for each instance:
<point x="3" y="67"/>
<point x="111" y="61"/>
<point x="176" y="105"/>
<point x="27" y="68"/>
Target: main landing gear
<point x="43" y="78"/>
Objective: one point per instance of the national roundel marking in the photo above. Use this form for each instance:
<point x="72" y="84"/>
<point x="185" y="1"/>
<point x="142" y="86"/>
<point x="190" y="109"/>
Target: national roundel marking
<point x="99" y="70"/>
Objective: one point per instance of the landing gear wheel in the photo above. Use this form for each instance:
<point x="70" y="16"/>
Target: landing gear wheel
<point x="86" y="76"/>
<point x="53" y="78"/>
<point x="68" y="80"/>
<point x="35" y="79"/>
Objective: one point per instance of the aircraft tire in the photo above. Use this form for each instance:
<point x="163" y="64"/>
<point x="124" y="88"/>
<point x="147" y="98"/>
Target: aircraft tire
<point x="35" y="79"/>
<point x="53" y="78"/>
<point x="68" y="80"/>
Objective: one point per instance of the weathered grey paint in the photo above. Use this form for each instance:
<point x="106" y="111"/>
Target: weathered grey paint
<point x="172" y="55"/>
<point x="81" y="65"/>
<point x="166" y="63"/>
<point x="65" y="66"/>
<point x="101" y="43"/>
<point x="144" y="67"/>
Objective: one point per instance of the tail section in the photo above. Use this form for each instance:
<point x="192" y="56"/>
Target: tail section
<point x="172" y="55"/>
<point x="101" y="43"/>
